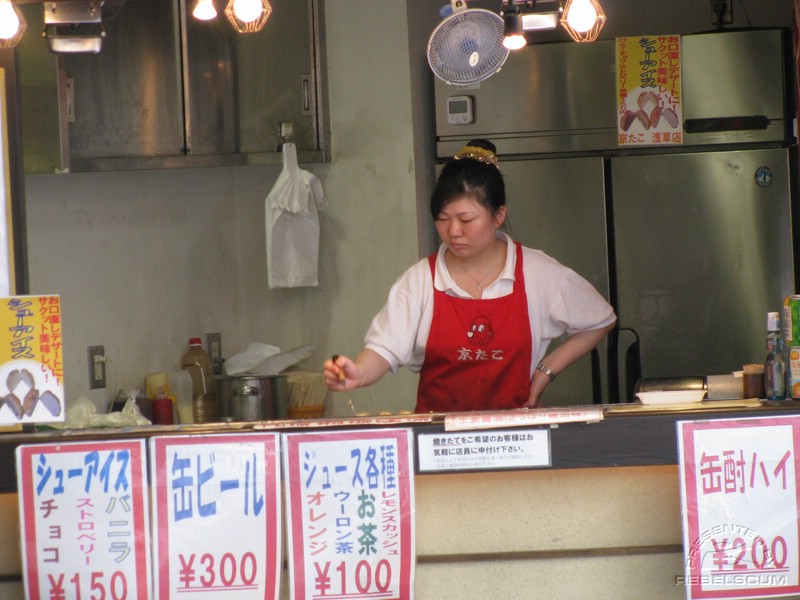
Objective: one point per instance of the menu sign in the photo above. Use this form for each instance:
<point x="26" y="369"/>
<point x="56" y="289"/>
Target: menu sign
<point x="84" y="520"/>
<point x="649" y="90"/>
<point x="31" y="370"/>
<point x="350" y="514"/>
<point x="217" y="525"/>
<point x="740" y="500"/>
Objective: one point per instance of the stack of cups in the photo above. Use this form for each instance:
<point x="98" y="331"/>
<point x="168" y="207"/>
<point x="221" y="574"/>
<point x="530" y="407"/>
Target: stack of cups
<point x="753" y="381"/>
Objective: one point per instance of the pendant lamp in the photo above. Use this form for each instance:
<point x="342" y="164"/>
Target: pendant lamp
<point x="12" y="24"/>
<point x="583" y="19"/>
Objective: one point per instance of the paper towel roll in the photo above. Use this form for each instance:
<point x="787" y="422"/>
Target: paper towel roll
<point x="724" y="387"/>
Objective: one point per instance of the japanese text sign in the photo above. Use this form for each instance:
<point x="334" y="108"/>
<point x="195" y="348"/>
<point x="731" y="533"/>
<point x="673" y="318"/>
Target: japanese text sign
<point x="84" y="520"/>
<point x="350" y="517"/>
<point x="649" y="90"/>
<point x="217" y="526"/>
<point x="739" y="493"/>
<point x="483" y="450"/>
<point x="31" y="370"/>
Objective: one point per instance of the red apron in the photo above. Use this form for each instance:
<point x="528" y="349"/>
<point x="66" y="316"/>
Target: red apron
<point x="478" y="355"/>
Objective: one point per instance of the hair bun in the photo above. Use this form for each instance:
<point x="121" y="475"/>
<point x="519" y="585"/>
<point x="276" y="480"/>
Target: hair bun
<point x="476" y="151"/>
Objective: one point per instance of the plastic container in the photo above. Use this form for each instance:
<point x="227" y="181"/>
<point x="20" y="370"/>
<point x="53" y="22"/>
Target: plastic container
<point x="204" y="396"/>
<point x="182" y="389"/>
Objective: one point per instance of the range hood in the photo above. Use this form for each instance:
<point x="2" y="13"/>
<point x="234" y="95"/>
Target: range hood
<point x="75" y="26"/>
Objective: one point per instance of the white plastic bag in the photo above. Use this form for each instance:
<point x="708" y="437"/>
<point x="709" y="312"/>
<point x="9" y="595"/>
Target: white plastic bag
<point x="292" y="225"/>
<point x="263" y="359"/>
<point x="253" y="355"/>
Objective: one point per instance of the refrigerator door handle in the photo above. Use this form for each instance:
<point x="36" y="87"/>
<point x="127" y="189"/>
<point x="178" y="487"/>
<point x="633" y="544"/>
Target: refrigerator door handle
<point x="624" y="364"/>
<point x="597" y="381"/>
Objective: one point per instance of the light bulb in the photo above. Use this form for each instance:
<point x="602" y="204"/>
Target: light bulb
<point x="582" y="16"/>
<point x="204" y="10"/>
<point x="247" y="10"/>
<point x="514" y="42"/>
<point x="9" y="21"/>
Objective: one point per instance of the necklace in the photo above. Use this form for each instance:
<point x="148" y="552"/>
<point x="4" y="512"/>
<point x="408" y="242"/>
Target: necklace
<point x="477" y="282"/>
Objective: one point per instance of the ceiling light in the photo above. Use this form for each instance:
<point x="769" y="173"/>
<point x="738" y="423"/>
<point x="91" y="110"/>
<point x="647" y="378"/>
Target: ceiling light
<point x="248" y="16"/>
<point x="540" y="21"/>
<point x="12" y="24"/>
<point x="514" y="38"/>
<point x="583" y="19"/>
<point x="204" y="10"/>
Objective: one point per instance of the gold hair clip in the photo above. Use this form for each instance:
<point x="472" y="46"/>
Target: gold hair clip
<point x="477" y="153"/>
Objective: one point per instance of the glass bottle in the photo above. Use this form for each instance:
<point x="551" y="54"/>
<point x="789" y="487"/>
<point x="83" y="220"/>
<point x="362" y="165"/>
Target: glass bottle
<point x="774" y="364"/>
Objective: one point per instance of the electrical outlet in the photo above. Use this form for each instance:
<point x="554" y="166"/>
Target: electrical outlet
<point x="214" y="350"/>
<point x="97" y="367"/>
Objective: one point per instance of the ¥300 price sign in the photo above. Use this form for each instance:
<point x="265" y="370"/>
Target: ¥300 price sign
<point x="350" y="499"/>
<point x="217" y="516"/>
<point x="740" y="501"/>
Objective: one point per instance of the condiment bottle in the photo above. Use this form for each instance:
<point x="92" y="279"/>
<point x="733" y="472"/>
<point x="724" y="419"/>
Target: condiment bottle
<point x="774" y="364"/>
<point x="204" y="395"/>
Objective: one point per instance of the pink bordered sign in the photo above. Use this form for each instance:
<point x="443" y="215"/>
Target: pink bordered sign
<point x="740" y="500"/>
<point x="350" y="514"/>
<point x="217" y="524"/>
<point x="84" y="520"/>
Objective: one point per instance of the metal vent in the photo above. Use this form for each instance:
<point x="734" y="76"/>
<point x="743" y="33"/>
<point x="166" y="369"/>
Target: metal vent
<point x="74" y="27"/>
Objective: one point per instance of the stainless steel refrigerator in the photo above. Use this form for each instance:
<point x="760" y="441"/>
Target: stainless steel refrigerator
<point x="693" y="244"/>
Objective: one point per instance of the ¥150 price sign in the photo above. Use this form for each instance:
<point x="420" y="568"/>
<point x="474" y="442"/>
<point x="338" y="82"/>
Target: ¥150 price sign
<point x="740" y="500"/>
<point x="350" y="499"/>
<point x="84" y="520"/>
<point x="217" y="516"/>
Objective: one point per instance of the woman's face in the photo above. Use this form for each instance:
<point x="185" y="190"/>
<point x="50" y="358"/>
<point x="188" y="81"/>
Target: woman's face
<point x="467" y="227"/>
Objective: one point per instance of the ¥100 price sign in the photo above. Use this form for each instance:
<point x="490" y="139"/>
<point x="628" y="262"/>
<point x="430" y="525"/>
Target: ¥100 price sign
<point x="217" y="516"/>
<point x="84" y="520"/>
<point x="350" y="514"/>
<point x="740" y="501"/>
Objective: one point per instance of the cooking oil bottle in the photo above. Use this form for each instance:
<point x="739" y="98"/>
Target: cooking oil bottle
<point x="774" y="364"/>
<point x="204" y="393"/>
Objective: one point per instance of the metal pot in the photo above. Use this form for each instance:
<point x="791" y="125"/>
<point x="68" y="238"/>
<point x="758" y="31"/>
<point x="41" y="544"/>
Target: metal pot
<point x="252" y="398"/>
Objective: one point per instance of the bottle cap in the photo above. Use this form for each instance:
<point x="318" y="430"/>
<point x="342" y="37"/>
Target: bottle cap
<point x="199" y="342"/>
<point x="773" y="321"/>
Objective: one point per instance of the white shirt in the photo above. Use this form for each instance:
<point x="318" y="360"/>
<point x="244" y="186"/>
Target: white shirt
<point x="559" y="301"/>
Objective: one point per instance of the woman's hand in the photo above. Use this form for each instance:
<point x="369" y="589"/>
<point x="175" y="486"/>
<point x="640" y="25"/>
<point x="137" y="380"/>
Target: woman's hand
<point x="346" y="374"/>
<point x="562" y="357"/>
<point x="339" y="373"/>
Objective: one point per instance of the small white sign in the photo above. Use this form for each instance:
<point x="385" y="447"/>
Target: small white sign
<point x="524" y="417"/>
<point x="478" y="450"/>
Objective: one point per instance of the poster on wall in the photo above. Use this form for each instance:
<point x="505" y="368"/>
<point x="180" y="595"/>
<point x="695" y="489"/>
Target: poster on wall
<point x="31" y="368"/>
<point x="350" y="514"/>
<point x="740" y="501"/>
<point x="649" y="90"/>
<point x="84" y="523"/>
<point x="217" y="516"/>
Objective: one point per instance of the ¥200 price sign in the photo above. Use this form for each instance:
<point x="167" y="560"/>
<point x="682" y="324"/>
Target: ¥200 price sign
<point x="740" y="501"/>
<point x="217" y="516"/>
<point x="84" y="520"/>
<point x="349" y="500"/>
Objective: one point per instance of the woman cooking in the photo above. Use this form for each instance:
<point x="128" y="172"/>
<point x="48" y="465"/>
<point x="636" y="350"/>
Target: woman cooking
<point x="475" y="319"/>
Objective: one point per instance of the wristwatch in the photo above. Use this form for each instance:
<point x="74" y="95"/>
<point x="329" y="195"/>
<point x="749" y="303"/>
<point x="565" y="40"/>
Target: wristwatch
<point x="546" y="371"/>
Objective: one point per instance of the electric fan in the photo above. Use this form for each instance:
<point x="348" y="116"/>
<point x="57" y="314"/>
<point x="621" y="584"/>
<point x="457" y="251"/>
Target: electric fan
<point x="467" y="47"/>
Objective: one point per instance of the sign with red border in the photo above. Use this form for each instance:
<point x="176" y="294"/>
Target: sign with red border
<point x="740" y="500"/>
<point x="350" y="514"/>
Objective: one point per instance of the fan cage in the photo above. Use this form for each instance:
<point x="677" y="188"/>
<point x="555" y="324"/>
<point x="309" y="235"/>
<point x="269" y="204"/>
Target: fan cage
<point x="467" y="47"/>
